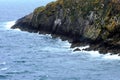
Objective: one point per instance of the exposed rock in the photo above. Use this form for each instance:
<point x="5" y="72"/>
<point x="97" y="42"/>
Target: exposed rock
<point x="94" y="22"/>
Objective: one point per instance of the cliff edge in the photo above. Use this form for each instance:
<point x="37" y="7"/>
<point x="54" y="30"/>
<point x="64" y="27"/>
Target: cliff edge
<point x="93" y="22"/>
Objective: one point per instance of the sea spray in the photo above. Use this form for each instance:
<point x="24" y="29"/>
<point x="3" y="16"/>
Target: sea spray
<point x="92" y="53"/>
<point x="9" y="24"/>
<point x="111" y="57"/>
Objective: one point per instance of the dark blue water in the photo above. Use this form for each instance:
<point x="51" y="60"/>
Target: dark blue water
<point x="30" y="56"/>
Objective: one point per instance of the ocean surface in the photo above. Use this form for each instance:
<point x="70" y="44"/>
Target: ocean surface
<point x="33" y="56"/>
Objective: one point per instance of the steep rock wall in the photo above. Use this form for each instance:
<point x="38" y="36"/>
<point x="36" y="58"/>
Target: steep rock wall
<point x="92" y="21"/>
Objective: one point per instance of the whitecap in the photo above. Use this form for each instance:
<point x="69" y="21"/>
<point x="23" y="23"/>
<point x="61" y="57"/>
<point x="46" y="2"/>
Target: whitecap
<point x="111" y="57"/>
<point x="49" y="35"/>
<point x="81" y="48"/>
<point x="2" y="63"/>
<point x="9" y="24"/>
<point x="17" y="29"/>
<point x="53" y="49"/>
<point x="107" y="56"/>
<point x="93" y="53"/>
<point x="66" y="44"/>
<point x="3" y="69"/>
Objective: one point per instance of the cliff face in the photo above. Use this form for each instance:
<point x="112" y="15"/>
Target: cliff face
<point x="92" y="21"/>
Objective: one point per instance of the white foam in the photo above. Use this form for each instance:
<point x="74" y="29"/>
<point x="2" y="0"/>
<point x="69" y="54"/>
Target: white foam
<point x="17" y="29"/>
<point x="104" y="56"/>
<point x="3" y="69"/>
<point x="66" y="44"/>
<point x="93" y="53"/>
<point x="49" y="35"/>
<point x="53" y="49"/>
<point x="96" y="54"/>
<point x="2" y="63"/>
<point x="81" y="48"/>
<point x="111" y="57"/>
<point x="9" y="24"/>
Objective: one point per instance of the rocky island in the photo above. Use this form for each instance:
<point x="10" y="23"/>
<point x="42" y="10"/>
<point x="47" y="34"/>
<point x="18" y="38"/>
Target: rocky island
<point x="81" y="22"/>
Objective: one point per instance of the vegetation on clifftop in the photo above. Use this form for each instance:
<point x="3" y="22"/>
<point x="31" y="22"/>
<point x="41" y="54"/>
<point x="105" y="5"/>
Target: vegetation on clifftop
<point x="104" y="15"/>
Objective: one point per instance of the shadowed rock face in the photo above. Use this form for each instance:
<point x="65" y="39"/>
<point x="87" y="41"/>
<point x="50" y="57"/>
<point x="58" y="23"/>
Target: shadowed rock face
<point x="94" y="22"/>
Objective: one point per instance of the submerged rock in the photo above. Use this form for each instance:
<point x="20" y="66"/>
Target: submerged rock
<point x="94" y="22"/>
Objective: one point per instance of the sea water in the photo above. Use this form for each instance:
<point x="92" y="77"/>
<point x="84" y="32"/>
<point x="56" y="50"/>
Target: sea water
<point x="33" y="56"/>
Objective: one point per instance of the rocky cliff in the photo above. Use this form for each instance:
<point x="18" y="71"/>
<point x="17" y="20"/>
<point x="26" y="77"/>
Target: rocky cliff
<point x="93" y="22"/>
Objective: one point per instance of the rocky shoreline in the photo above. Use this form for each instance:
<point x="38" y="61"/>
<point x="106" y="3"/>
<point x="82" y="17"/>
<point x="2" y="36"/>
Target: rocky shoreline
<point x="95" y="23"/>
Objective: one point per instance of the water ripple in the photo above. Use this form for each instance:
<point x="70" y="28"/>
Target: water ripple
<point x="18" y="72"/>
<point x="2" y="76"/>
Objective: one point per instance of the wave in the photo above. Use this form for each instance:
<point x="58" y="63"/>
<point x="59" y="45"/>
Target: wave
<point x="2" y="63"/>
<point x="9" y="24"/>
<point x="81" y="48"/>
<point x="107" y="56"/>
<point x="3" y="69"/>
<point x="19" y="72"/>
<point x="2" y="76"/>
<point x="59" y="46"/>
<point x="111" y="57"/>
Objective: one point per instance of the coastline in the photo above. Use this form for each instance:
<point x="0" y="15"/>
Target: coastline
<point x="54" y="19"/>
